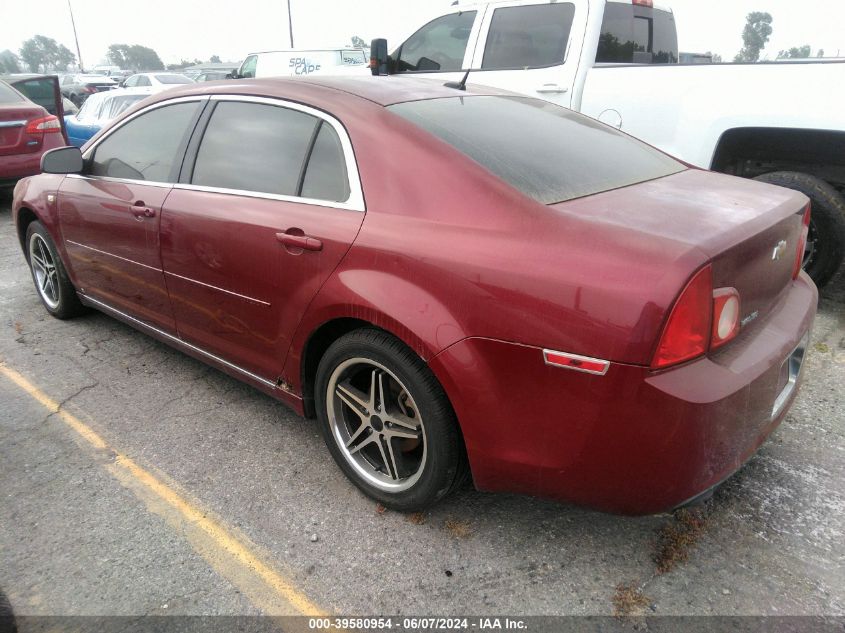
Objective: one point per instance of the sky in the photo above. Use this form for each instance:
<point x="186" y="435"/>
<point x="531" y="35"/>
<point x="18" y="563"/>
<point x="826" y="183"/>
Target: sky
<point x="178" y="29"/>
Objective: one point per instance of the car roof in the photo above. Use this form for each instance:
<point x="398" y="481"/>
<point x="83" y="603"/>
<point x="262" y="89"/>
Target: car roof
<point x="382" y="90"/>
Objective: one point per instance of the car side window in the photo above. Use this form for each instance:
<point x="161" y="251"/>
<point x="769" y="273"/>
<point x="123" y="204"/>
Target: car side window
<point x="440" y="45"/>
<point x="147" y="147"/>
<point x="532" y="36"/>
<point x="143" y="81"/>
<point x="131" y="82"/>
<point x="325" y="176"/>
<point x="249" y="66"/>
<point x="254" y="147"/>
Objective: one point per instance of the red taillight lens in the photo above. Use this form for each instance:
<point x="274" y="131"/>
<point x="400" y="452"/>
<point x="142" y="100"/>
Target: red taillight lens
<point x="802" y="243"/>
<point x="725" y="316"/>
<point x="90" y="89"/>
<point x="44" y="124"/>
<point x="644" y="3"/>
<point x="687" y="332"/>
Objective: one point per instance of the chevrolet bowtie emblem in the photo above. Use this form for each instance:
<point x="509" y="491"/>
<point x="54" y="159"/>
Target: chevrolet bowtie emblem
<point x="779" y="250"/>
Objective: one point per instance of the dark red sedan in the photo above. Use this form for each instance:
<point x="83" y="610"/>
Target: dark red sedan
<point x="27" y="130"/>
<point x="453" y="282"/>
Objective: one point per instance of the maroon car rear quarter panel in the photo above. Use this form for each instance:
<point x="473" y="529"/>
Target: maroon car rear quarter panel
<point x="631" y="441"/>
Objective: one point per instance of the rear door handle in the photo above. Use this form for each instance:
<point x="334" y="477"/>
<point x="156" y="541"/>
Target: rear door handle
<point x="552" y="88"/>
<point x="305" y="242"/>
<point x="141" y="211"/>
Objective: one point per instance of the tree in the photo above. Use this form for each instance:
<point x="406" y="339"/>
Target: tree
<point x="42" y="53"/>
<point x="795" y="52"/>
<point x="9" y="62"/>
<point x="358" y="42"/>
<point x="714" y="57"/>
<point x="758" y="28"/>
<point x="134" y="57"/>
<point x="215" y="59"/>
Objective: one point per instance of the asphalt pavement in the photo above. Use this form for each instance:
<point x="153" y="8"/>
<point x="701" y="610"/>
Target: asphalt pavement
<point x="138" y="481"/>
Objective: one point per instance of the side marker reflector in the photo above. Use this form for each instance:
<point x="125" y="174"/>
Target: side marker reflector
<point x="578" y="363"/>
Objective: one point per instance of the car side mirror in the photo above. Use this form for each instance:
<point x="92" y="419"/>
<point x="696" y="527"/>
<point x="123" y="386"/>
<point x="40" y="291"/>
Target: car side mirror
<point x="233" y="75"/>
<point x="62" y="160"/>
<point x="378" y="56"/>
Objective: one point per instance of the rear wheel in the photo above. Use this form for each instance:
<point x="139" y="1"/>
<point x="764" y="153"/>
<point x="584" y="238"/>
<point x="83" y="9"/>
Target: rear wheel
<point x="51" y="281"/>
<point x="826" y="239"/>
<point x="387" y="421"/>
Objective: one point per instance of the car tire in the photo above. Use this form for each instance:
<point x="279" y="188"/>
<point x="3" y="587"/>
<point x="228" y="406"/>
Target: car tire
<point x="827" y="222"/>
<point x="54" y="288"/>
<point x="403" y="448"/>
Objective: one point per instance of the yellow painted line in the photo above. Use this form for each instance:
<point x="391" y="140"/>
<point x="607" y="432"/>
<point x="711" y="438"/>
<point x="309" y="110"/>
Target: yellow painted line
<point x="229" y="553"/>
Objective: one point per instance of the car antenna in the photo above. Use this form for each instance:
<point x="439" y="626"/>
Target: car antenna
<point x="459" y="85"/>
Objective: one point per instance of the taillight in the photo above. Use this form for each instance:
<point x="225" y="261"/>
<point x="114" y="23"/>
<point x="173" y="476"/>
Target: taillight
<point x="44" y="124"/>
<point x="701" y="319"/>
<point x="802" y="243"/>
<point x="644" y="3"/>
<point x="687" y="332"/>
<point x="90" y="89"/>
<point x="725" y="316"/>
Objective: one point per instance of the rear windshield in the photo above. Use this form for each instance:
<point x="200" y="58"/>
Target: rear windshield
<point x="8" y="94"/>
<point x="174" y="79"/>
<point x="633" y="34"/>
<point x="549" y="153"/>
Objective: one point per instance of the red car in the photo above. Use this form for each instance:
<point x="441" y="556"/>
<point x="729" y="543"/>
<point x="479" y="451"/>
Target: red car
<point x="453" y="282"/>
<point x="27" y="130"/>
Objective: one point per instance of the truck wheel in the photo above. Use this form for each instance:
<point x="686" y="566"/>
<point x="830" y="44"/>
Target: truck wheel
<point x="826" y="239"/>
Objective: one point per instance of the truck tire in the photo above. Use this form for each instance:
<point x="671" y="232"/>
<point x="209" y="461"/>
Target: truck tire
<point x="826" y="239"/>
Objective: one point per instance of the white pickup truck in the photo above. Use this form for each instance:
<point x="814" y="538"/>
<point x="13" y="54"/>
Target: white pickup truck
<point x="617" y="61"/>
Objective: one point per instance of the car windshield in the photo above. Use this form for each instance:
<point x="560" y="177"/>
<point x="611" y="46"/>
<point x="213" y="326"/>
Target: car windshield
<point x="174" y="79"/>
<point x="550" y="153"/>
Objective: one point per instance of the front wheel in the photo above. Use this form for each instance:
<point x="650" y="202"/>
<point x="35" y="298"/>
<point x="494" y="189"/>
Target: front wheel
<point x="387" y="421"/>
<point x="826" y="239"/>
<point x="51" y="281"/>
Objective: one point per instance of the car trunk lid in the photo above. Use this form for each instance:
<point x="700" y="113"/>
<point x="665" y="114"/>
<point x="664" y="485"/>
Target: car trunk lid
<point x="14" y="118"/>
<point x="748" y="231"/>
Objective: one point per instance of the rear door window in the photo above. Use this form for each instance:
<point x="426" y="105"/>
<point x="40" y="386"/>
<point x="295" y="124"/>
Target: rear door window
<point x="148" y="147"/>
<point x="532" y="36"/>
<point x="439" y="46"/>
<point x="632" y="34"/>
<point x="325" y="177"/>
<point x="254" y="147"/>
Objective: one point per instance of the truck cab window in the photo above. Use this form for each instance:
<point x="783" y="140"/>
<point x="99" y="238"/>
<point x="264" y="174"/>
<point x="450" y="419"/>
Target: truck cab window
<point x="633" y="34"/>
<point x="532" y="36"/>
<point x="439" y="46"/>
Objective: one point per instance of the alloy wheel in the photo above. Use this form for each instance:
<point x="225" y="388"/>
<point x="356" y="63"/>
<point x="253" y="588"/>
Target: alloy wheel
<point x="44" y="270"/>
<point x="376" y="424"/>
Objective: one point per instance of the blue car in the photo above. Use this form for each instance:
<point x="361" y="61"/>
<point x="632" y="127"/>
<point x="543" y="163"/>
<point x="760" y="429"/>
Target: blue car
<point x="99" y="109"/>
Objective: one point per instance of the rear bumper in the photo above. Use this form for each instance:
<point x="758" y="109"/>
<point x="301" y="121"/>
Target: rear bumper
<point x="632" y="441"/>
<point x="17" y="166"/>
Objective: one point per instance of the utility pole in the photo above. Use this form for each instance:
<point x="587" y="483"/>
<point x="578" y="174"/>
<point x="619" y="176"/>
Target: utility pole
<point x="290" y="24"/>
<point x="76" y="39"/>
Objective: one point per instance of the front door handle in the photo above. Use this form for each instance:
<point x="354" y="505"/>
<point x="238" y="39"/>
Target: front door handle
<point x="552" y="89"/>
<point x="141" y="211"/>
<point x="304" y="242"/>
